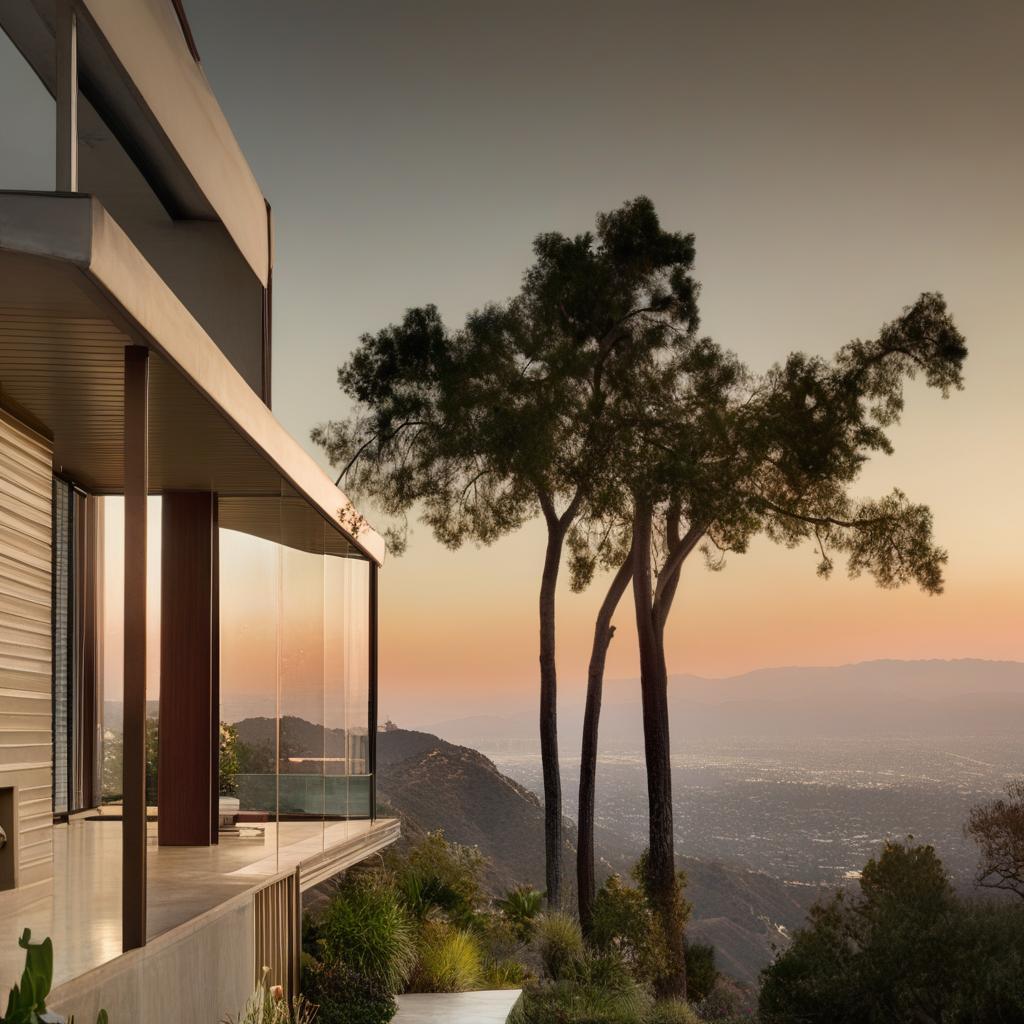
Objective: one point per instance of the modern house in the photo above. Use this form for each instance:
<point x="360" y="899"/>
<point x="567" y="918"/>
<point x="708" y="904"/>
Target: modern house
<point x="170" y="558"/>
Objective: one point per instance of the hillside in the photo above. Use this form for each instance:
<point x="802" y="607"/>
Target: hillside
<point x="434" y="784"/>
<point x="874" y="698"/>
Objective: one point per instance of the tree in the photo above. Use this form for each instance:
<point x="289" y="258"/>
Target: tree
<point x="720" y="456"/>
<point x="903" y="950"/>
<point x="507" y="418"/>
<point x="998" y="829"/>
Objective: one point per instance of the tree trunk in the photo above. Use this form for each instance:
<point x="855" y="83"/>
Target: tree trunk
<point x="603" y="633"/>
<point x="661" y="871"/>
<point x="549" y="720"/>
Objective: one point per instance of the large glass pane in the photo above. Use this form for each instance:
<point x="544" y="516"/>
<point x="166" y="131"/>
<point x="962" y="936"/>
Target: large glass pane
<point x="336" y="768"/>
<point x="357" y="659"/>
<point x="249" y="571"/>
<point x="301" y="678"/>
<point x="110" y="653"/>
<point x="27" y="120"/>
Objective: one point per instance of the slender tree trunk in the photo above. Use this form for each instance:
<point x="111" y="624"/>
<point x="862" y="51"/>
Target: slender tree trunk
<point x="662" y="885"/>
<point x="549" y="720"/>
<point x="603" y="633"/>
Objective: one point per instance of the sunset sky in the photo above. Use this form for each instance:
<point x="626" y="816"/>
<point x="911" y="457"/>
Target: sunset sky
<point x="833" y="161"/>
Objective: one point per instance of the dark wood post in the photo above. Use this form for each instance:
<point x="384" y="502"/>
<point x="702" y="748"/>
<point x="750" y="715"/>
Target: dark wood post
<point x="189" y="725"/>
<point x="136" y="488"/>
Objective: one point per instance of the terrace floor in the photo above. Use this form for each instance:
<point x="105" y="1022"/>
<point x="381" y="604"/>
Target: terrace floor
<point x="81" y="908"/>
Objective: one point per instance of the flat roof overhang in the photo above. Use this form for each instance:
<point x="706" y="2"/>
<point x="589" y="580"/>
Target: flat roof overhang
<point x="138" y="72"/>
<point x="74" y="291"/>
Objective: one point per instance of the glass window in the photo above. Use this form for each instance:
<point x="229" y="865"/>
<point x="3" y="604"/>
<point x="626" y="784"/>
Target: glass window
<point x="249" y="574"/>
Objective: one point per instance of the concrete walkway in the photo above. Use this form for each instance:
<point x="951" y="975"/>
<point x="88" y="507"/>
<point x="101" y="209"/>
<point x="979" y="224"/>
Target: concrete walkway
<point x="455" y="1007"/>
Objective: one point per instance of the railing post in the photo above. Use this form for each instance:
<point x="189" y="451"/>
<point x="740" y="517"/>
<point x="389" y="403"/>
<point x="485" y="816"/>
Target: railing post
<point x="66" y="54"/>
<point x="136" y="487"/>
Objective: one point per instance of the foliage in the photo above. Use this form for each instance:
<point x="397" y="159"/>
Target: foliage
<point x="520" y="906"/>
<point x="903" y="949"/>
<point x="559" y="943"/>
<point x="28" y="999"/>
<point x="566" y="1002"/>
<point x="998" y="829"/>
<point x="365" y="927"/>
<point x="228" y="767"/>
<point x="26" y="1002"/>
<point x="673" y="1011"/>
<point x="504" y="973"/>
<point x="623" y="920"/>
<point x="449" y="960"/>
<point x="268" y="1005"/>
<point x="437" y="875"/>
<point x="344" y="996"/>
<point x="725" y="1002"/>
<point x="701" y="972"/>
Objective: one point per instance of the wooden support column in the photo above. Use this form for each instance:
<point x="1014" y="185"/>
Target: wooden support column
<point x="66" y="55"/>
<point x="136" y="488"/>
<point x="189" y="725"/>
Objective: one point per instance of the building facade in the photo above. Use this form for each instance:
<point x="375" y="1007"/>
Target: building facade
<point x="188" y="604"/>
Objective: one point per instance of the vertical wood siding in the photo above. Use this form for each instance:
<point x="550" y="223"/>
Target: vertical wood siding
<point x="25" y="641"/>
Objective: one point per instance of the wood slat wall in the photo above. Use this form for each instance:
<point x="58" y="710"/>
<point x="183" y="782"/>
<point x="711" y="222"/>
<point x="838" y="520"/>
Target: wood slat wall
<point x="25" y="641"/>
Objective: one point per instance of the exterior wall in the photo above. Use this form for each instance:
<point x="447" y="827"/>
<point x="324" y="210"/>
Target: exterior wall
<point x="26" y="735"/>
<point x="196" y="974"/>
<point x="198" y="259"/>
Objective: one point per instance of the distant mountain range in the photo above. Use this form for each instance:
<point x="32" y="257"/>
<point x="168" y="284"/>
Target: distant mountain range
<point x="872" y="698"/>
<point x="430" y="784"/>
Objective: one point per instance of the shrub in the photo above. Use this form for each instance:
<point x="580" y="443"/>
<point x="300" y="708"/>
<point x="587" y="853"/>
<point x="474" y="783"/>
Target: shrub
<point x="559" y="943"/>
<point x="504" y="974"/>
<point x="603" y="970"/>
<point x="365" y="927"/>
<point x="904" y="948"/>
<point x="672" y="1011"/>
<point x="267" y="1005"/>
<point x="346" y="997"/>
<point x="437" y="874"/>
<point x="449" y="960"/>
<point x="623" y="920"/>
<point x="701" y="973"/>
<point x="564" y="1002"/>
<point x="725" y="1002"/>
<point x="521" y="907"/>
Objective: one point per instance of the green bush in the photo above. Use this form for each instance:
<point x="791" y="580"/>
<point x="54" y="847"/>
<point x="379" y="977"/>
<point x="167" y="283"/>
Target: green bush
<point x="623" y="920"/>
<point x="439" y="875"/>
<point x="725" y="1002"/>
<point x="905" y="948"/>
<point x="559" y="943"/>
<point x="504" y="974"/>
<point x="565" y="1002"/>
<point x="701" y="973"/>
<point x="365" y="927"/>
<point x="673" y="1011"/>
<point x="346" y="997"/>
<point x="602" y="970"/>
<point x="521" y="907"/>
<point x="449" y="960"/>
